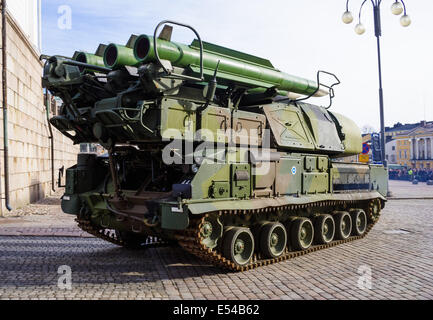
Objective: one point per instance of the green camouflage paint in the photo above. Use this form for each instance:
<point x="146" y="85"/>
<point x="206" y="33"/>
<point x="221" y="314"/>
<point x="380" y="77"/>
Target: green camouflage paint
<point x="235" y="156"/>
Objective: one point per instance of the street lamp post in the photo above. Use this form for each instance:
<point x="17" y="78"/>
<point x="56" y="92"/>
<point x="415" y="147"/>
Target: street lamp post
<point x="397" y="8"/>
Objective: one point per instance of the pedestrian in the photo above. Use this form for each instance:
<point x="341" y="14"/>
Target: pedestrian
<point x="410" y="173"/>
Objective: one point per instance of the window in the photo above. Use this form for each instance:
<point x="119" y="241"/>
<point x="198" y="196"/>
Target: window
<point x="88" y="148"/>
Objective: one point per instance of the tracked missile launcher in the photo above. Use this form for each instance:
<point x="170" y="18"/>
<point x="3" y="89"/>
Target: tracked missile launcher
<point x="211" y="149"/>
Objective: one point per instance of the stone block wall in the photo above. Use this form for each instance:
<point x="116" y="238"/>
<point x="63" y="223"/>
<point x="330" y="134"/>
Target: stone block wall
<point x="29" y="143"/>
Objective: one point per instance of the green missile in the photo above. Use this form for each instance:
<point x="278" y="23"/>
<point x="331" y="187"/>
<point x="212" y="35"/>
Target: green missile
<point x="117" y="55"/>
<point x="234" y="66"/>
<point x="88" y="58"/>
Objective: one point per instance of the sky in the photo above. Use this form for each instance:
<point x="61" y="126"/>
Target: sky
<point x="298" y="37"/>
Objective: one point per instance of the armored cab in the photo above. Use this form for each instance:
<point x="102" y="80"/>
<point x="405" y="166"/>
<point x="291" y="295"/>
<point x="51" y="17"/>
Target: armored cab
<point x="211" y="148"/>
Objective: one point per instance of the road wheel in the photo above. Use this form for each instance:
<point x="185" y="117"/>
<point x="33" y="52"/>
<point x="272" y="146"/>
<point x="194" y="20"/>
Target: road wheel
<point x="238" y="245"/>
<point x="374" y="208"/>
<point x="273" y="240"/>
<point x="343" y="225"/>
<point x="302" y="233"/>
<point x="211" y="231"/>
<point x="359" y="221"/>
<point x="324" y="229"/>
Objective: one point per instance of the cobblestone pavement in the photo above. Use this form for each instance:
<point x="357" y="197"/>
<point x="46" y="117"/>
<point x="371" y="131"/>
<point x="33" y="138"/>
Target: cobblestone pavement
<point x="398" y="252"/>
<point x="405" y="189"/>
<point x="44" y="218"/>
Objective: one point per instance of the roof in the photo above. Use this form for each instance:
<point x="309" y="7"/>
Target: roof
<point x="404" y="127"/>
<point x="424" y="129"/>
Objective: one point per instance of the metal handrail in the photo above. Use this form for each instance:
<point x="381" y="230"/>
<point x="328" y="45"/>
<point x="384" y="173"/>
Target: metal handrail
<point x="319" y="85"/>
<point x="155" y="48"/>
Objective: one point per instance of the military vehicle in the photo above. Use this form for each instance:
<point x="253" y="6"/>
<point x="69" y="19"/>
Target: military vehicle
<point x="211" y="149"/>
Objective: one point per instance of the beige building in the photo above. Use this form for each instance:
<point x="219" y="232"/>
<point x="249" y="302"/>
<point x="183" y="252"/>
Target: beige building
<point x="415" y="148"/>
<point x="408" y="145"/>
<point x="403" y="152"/>
<point x="29" y="143"/>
